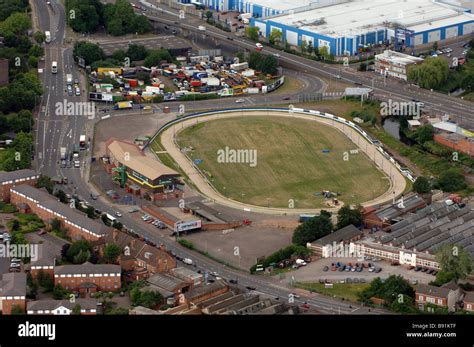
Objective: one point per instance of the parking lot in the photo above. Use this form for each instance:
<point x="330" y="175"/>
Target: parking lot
<point x="313" y="272"/>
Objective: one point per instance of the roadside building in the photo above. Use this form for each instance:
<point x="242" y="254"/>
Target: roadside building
<point x="48" y="208"/>
<point x="456" y="141"/>
<point x="15" y="178"/>
<point x="203" y="293"/>
<point x="212" y="219"/>
<point x="188" y="275"/>
<point x="415" y="239"/>
<point x="385" y="216"/>
<point x="61" y="307"/>
<point x="469" y="302"/>
<point x="45" y="262"/>
<point x="138" y="259"/>
<point x="88" y="278"/>
<point x="334" y="242"/>
<point x="170" y="287"/>
<point x="140" y="174"/>
<point x="395" y="64"/>
<point x="12" y="292"/>
<point x="446" y="296"/>
<point x="347" y="27"/>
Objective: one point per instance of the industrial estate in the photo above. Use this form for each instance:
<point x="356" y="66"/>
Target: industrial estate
<point x="207" y="157"/>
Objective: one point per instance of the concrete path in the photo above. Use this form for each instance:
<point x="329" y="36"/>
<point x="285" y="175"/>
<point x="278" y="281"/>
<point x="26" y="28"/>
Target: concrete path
<point x="397" y="180"/>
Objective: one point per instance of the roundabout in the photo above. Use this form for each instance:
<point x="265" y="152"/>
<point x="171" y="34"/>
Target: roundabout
<point x="280" y="161"/>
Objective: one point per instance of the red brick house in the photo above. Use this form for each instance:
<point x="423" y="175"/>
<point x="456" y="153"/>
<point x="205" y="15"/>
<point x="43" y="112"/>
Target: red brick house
<point x="15" y="178"/>
<point x="456" y="141"/>
<point x="446" y="296"/>
<point x="61" y="307"/>
<point x="47" y="207"/>
<point x="45" y="262"/>
<point x="469" y="302"/>
<point x="12" y="292"/>
<point x="88" y="278"/>
<point x="138" y="258"/>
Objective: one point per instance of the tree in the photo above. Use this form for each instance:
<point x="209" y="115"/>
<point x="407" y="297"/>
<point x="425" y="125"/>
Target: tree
<point x="155" y="57"/>
<point x="45" y="281"/>
<point x="89" y="51"/>
<point x="313" y="229"/>
<point x="39" y="37"/>
<point x="17" y="310"/>
<point x="275" y="36"/>
<point x="78" y="247"/>
<point x="60" y="293"/>
<point x="81" y="257"/>
<point x="119" y="55"/>
<point x="394" y="289"/>
<point x="111" y="253"/>
<point x="145" y="298"/>
<point x="363" y="66"/>
<point x="55" y="224"/>
<point x="15" y="225"/>
<point x="141" y="24"/>
<point x="451" y="180"/>
<point x="422" y="185"/>
<point x="252" y="33"/>
<point x="431" y="74"/>
<point x="403" y="304"/>
<point x="208" y="14"/>
<point x="136" y="52"/>
<point x="16" y="24"/>
<point x="424" y="134"/>
<point x="85" y="15"/>
<point x="310" y="48"/>
<point x="76" y="310"/>
<point x="324" y="52"/>
<point x="347" y="216"/>
<point x="454" y="260"/>
<point x="468" y="79"/>
<point x="303" y="46"/>
<point x="435" y="46"/>
<point x="61" y="195"/>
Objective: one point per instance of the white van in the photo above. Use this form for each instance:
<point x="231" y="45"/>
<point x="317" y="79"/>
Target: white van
<point x="188" y="261"/>
<point x="54" y="67"/>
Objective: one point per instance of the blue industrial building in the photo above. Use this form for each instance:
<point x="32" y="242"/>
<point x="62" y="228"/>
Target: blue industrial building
<point x="344" y="28"/>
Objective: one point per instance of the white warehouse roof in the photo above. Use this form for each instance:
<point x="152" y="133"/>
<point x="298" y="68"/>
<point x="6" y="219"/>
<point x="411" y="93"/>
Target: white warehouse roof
<point x="363" y="16"/>
<point x="281" y="5"/>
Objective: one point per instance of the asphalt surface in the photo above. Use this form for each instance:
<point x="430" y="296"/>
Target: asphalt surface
<point x="384" y="89"/>
<point x="56" y="130"/>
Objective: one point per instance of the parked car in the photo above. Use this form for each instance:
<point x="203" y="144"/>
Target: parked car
<point x="250" y="288"/>
<point x="418" y="268"/>
<point x="424" y="269"/>
<point x="118" y="214"/>
<point x="15" y="260"/>
<point x="378" y="269"/>
<point x="325" y="269"/>
<point x="233" y="281"/>
<point x="435" y="272"/>
<point x="133" y="210"/>
<point x="239" y="101"/>
<point x="12" y="265"/>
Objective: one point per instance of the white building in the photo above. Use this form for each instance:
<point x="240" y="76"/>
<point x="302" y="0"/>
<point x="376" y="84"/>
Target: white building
<point x="395" y="64"/>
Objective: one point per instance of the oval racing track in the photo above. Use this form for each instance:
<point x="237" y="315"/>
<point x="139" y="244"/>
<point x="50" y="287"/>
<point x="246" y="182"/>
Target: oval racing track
<point x="168" y="141"/>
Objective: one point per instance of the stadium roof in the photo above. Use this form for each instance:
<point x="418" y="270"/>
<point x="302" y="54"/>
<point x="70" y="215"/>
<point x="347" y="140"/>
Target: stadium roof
<point x="131" y="156"/>
<point x="363" y="16"/>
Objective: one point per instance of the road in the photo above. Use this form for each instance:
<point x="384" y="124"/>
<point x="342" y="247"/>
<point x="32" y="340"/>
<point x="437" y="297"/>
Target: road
<point x="55" y="130"/>
<point x="385" y="89"/>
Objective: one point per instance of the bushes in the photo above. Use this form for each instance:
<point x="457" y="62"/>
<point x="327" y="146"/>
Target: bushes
<point x="195" y="97"/>
<point x="282" y="254"/>
<point x="186" y="243"/>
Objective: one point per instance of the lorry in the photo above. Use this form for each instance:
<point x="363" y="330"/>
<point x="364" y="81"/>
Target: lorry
<point x="47" y="35"/>
<point x="63" y="152"/>
<point x="123" y="105"/>
<point x="69" y="79"/>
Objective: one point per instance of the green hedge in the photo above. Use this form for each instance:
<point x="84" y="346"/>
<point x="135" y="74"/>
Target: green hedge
<point x="186" y="243"/>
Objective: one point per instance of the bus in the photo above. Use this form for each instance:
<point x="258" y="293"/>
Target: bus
<point x="54" y="67"/>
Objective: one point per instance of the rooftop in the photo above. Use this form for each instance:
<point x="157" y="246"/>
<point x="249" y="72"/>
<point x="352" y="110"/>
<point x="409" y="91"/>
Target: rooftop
<point x="87" y="268"/>
<point x="16" y="175"/>
<point x="397" y="57"/>
<point x="13" y="284"/>
<point x="363" y="16"/>
<point x="42" y="305"/>
<point x="138" y="161"/>
<point x="438" y="292"/>
<point x="433" y="227"/>
<point x="51" y="203"/>
<point x="165" y="281"/>
<point x="410" y="202"/>
<point x="337" y="236"/>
